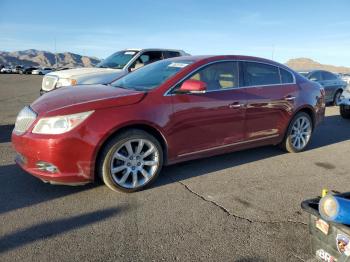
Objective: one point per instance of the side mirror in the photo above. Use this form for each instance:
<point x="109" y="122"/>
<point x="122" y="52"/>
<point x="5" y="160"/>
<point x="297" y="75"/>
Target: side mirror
<point x="313" y="79"/>
<point x="193" y="87"/>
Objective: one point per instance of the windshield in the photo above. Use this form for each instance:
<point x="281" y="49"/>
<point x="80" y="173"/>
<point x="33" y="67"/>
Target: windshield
<point x="118" y="60"/>
<point x="152" y="75"/>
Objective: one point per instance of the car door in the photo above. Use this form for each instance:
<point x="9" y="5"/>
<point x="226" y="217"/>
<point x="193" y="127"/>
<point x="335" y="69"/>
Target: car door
<point x="270" y="94"/>
<point x="331" y="84"/>
<point x="203" y="122"/>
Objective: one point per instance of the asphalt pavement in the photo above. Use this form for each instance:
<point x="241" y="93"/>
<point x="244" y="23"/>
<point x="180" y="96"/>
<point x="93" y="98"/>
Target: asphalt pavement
<point x="243" y="206"/>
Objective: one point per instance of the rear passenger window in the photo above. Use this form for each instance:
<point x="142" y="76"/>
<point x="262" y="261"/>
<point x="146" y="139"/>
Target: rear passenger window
<point x="286" y="77"/>
<point x="256" y="74"/>
<point x="328" y="76"/>
<point x="170" y="54"/>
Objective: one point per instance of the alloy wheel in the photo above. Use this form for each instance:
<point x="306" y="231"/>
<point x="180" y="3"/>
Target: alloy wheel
<point x="134" y="163"/>
<point x="301" y="132"/>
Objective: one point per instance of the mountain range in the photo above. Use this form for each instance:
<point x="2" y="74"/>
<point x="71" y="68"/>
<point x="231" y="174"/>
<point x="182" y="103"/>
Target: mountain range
<point x="306" y="64"/>
<point x="34" y="57"/>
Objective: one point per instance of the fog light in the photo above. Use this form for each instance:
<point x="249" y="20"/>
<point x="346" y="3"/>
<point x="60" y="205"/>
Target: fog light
<point x="48" y="167"/>
<point x="335" y="209"/>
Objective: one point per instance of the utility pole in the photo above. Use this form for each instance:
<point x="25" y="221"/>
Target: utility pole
<point x="55" y="54"/>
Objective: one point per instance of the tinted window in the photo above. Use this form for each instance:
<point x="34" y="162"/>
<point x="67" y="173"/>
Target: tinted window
<point x="146" y="58"/>
<point x="169" y="54"/>
<point x="117" y="60"/>
<point x="315" y="76"/>
<point x="218" y="76"/>
<point x="286" y="77"/>
<point x="151" y="76"/>
<point x="328" y="76"/>
<point x="256" y="74"/>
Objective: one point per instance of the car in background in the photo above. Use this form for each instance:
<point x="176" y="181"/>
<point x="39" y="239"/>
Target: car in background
<point x="114" y="66"/>
<point x="42" y="71"/>
<point x="170" y="111"/>
<point x="17" y="69"/>
<point x="344" y="104"/>
<point x="332" y="84"/>
<point x="6" y="70"/>
<point x="346" y="78"/>
<point x="28" y="70"/>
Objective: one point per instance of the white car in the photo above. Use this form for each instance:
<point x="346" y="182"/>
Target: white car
<point x="6" y="70"/>
<point x="344" y="104"/>
<point x="114" y="66"/>
<point x="42" y="71"/>
<point x="346" y="78"/>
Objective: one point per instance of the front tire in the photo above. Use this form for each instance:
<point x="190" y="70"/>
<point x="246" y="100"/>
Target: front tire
<point x="336" y="98"/>
<point x="345" y="111"/>
<point x="130" y="161"/>
<point x="298" y="134"/>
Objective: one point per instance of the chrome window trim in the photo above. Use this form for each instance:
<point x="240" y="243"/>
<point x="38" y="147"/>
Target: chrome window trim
<point x="168" y="92"/>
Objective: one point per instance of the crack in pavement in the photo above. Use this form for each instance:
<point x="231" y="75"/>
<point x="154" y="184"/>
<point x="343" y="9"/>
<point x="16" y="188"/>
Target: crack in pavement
<point x="227" y="212"/>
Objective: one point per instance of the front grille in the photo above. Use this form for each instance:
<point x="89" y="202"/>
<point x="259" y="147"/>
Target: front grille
<point x="49" y="83"/>
<point x="24" y="120"/>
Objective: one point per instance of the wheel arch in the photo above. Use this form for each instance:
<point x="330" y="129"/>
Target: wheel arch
<point x="306" y="109"/>
<point x="147" y="127"/>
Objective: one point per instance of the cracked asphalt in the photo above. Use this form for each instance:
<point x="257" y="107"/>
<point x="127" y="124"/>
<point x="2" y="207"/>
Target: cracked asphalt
<point x="243" y="206"/>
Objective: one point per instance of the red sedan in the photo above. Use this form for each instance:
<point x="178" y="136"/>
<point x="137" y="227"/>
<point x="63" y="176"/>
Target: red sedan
<point x="170" y="111"/>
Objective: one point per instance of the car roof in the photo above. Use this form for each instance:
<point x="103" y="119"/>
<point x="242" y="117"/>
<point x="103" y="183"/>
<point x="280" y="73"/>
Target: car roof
<point x="210" y="58"/>
<point x="153" y="49"/>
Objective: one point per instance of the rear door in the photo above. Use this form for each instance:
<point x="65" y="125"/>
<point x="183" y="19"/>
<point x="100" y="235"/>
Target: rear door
<point x="270" y="93"/>
<point x="331" y="84"/>
<point x="208" y="121"/>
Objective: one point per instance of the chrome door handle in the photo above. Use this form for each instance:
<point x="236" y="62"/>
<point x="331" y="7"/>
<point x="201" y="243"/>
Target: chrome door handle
<point x="235" y="105"/>
<point x="289" y="98"/>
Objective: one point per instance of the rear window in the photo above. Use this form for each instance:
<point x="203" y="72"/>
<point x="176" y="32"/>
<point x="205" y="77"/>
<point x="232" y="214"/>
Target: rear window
<point x="256" y="74"/>
<point x="170" y="54"/>
<point x="286" y="76"/>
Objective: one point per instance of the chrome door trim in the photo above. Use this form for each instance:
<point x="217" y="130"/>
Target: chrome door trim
<point x="228" y="145"/>
<point x="168" y="92"/>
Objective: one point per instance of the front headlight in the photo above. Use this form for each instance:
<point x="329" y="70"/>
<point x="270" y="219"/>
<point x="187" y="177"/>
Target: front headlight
<point x="60" y="124"/>
<point x="66" y="82"/>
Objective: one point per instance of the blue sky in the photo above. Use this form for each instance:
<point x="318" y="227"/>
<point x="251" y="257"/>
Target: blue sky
<point x="281" y="30"/>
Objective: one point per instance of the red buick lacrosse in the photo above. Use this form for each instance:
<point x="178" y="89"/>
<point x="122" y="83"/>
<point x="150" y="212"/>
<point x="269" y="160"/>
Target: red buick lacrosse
<point x="169" y="111"/>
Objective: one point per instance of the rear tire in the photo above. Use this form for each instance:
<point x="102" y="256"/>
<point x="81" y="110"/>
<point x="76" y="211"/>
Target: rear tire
<point x="130" y="161"/>
<point x="298" y="134"/>
<point x="344" y="112"/>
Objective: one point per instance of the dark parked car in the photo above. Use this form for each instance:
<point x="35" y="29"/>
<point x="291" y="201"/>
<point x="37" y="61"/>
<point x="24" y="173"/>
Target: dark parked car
<point x="167" y="112"/>
<point x="28" y="70"/>
<point x="332" y="84"/>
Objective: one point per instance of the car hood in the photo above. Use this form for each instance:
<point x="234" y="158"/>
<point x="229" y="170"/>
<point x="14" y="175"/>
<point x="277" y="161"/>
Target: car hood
<point x="79" y="72"/>
<point x="82" y="98"/>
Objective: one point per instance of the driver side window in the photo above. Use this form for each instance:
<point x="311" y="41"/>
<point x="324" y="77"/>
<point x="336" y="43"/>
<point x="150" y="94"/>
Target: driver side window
<point x="145" y="59"/>
<point x="218" y="76"/>
<point x="315" y="76"/>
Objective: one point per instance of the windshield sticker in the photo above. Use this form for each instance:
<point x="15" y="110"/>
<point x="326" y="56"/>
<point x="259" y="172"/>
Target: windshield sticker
<point x="179" y="65"/>
<point x="129" y="53"/>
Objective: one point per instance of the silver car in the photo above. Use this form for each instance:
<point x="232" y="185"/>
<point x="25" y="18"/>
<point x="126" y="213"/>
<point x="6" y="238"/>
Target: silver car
<point x="114" y="66"/>
<point x="332" y="84"/>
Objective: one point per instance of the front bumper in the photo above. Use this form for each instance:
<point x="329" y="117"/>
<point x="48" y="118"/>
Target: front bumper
<point x="345" y="99"/>
<point x="72" y="157"/>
